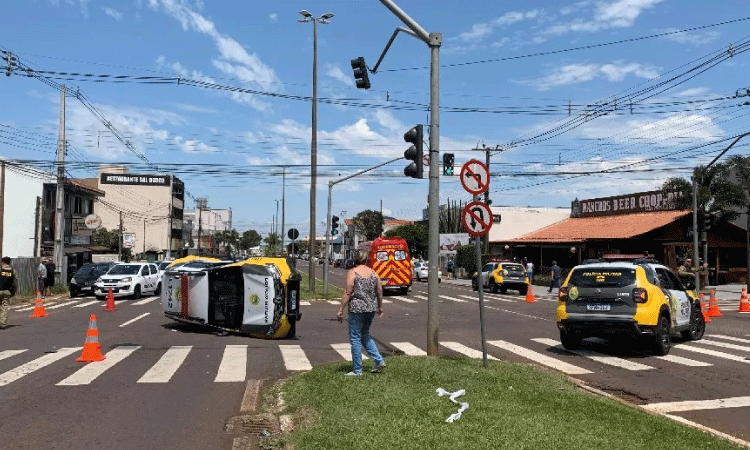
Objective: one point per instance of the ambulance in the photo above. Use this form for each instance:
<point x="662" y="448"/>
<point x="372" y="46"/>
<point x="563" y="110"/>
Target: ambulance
<point x="258" y="297"/>
<point x="389" y="257"/>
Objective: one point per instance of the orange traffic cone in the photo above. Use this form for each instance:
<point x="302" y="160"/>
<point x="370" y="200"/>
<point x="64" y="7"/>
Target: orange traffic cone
<point x="744" y="304"/>
<point x="704" y="308"/>
<point x="713" y="307"/>
<point x="530" y="294"/>
<point x="110" y="302"/>
<point x="39" y="306"/>
<point x="92" y="351"/>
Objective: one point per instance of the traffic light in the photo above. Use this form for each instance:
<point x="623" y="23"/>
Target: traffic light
<point x="414" y="153"/>
<point x="360" y="73"/>
<point x="334" y="225"/>
<point x="448" y="164"/>
<point x="707" y="221"/>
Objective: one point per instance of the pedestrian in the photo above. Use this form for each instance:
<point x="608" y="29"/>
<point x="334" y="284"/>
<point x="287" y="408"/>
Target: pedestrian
<point x="450" y="267"/>
<point x="363" y="296"/>
<point x="530" y="271"/>
<point x="8" y="287"/>
<point x="41" y="276"/>
<point x="555" y="277"/>
<point x="50" y="281"/>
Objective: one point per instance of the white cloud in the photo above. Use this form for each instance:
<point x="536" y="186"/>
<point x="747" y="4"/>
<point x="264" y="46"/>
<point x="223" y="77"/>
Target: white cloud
<point x="694" y="38"/>
<point x="672" y="130"/>
<point x="480" y="30"/>
<point x="606" y="15"/>
<point x="581" y="73"/>
<point x="115" y="14"/>
<point x="334" y="71"/>
<point x="273" y="17"/>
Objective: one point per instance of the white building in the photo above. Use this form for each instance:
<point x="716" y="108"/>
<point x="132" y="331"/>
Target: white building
<point x="206" y="222"/>
<point x="20" y="217"/>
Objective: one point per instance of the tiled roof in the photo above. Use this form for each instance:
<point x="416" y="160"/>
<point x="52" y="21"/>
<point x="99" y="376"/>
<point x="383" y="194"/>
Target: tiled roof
<point x="608" y="227"/>
<point x="90" y="184"/>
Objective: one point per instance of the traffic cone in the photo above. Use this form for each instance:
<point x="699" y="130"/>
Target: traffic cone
<point x="92" y="351"/>
<point x="110" y="302"/>
<point x="713" y="307"/>
<point x="704" y="308"/>
<point x="39" y="306"/>
<point x="744" y="304"/>
<point x="530" y="294"/>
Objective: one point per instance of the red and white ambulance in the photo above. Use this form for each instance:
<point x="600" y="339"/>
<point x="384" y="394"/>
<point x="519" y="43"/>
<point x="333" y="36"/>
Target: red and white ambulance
<point x="390" y="259"/>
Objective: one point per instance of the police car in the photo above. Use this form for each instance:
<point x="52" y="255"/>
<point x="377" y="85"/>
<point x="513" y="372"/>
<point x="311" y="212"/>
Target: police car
<point x="128" y="279"/>
<point x="501" y="276"/>
<point x="640" y="298"/>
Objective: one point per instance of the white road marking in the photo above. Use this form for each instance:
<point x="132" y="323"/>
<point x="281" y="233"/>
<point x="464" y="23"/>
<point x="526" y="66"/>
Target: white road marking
<point x="304" y="303"/>
<point x="596" y="356"/>
<point x="8" y="353"/>
<point x="705" y="351"/>
<point x="233" y="365"/>
<point x="728" y="338"/>
<point x="294" y="357"/>
<point x="541" y="358"/>
<point x="421" y="297"/>
<point x="724" y="345"/>
<point x="134" y="319"/>
<point x="92" y="370"/>
<point x="145" y="301"/>
<point x="86" y="304"/>
<point x="59" y="305"/>
<point x="345" y="350"/>
<point x="476" y="298"/>
<point x="454" y="299"/>
<point x="692" y="405"/>
<point x="165" y="368"/>
<point x="409" y="349"/>
<point x="334" y="302"/>
<point x="461" y="348"/>
<point x="28" y="308"/>
<point x="684" y="361"/>
<point x="404" y="299"/>
<point x="32" y="366"/>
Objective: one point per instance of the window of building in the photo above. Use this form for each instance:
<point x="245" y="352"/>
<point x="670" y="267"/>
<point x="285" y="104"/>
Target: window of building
<point x="77" y="205"/>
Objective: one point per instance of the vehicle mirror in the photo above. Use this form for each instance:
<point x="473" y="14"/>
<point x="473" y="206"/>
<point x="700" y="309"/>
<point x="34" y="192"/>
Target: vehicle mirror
<point x="689" y="285"/>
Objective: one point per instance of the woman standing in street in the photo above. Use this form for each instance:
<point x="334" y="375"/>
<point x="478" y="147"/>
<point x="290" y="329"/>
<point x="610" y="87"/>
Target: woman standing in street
<point x="364" y="296"/>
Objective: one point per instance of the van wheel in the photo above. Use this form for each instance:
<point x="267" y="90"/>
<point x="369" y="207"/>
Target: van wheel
<point x="697" y="326"/>
<point x="570" y="340"/>
<point x="404" y="290"/>
<point x="662" y="337"/>
<point x="137" y="291"/>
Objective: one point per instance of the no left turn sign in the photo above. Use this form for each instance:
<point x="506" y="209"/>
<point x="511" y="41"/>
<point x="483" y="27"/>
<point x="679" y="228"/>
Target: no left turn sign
<point x="475" y="177"/>
<point x="477" y="219"/>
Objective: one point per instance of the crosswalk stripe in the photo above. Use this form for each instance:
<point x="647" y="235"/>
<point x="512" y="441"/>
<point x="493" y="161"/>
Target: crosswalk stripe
<point x="454" y="299"/>
<point x="28" y="308"/>
<point x="91" y="371"/>
<point x="724" y="345"/>
<point x="294" y="357"/>
<point x="386" y="301"/>
<point x="117" y="302"/>
<point x="684" y="361"/>
<point x="233" y="365"/>
<point x="409" y="349"/>
<point x="334" y="302"/>
<point x="304" y="303"/>
<point x="705" y="351"/>
<point x="488" y="297"/>
<point x="59" y="305"/>
<point x="729" y="338"/>
<point x="86" y="304"/>
<point x="404" y="299"/>
<point x="598" y="357"/>
<point x="461" y="348"/>
<point x="541" y="358"/>
<point x="692" y="405"/>
<point x="345" y="350"/>
<point x="145" y="301"/>
<point x="32" y="366"/>
<point x="8" y="353"/>
<point x="421" y="297"/>
<point x="165" y="368"/>
<point x="133" y="320"/>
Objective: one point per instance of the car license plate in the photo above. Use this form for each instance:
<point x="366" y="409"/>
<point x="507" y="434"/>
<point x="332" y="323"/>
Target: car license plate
<point x="597" y="307"/>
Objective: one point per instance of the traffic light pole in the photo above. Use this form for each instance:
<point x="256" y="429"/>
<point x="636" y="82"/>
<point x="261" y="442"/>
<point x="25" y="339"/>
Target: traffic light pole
<point x="328" y="220"/>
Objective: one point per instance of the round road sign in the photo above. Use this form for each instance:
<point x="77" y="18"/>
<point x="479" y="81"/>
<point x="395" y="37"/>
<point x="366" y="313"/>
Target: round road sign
<point x="293" y="233"/>
<point x="426" y="159"/>
<point x="475" y="177"/>
<point x="477" y="218"/>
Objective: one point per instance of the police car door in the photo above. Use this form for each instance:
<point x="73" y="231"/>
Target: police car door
<point x="679" y="303"/>
<point x="486" y="271"/>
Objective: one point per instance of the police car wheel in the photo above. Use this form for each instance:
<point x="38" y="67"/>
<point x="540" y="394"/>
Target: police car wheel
<point x="662" y="338"/>
<point x="100" y="297"/>
<point x="137" y="291"/>
<point x="158" y="289"/>
<point x="523" y="290"/>
<point x="493" y="286"/>
<point x="474" y="285"/>
<point x="570" y="340"/>
<point x="697" y="327"/>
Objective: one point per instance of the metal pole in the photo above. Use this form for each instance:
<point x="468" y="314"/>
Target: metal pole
<point x="695" y="232"/>
<point x="328" y="239"/>
<point x="433" y="240"/>
<point x="487" y="200"/>
<point x="283" y="195"/>
<point x="60" y="193"/>
<point x="313" y="157"/>
<point x="480" y="290"/>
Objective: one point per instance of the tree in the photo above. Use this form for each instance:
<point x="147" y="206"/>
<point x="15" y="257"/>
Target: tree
<point x="250" y="239"/>
<point x="450" y="218"/>
<point x="273" y="241"/>
<point x="716" y="195"/>
<point x="415" y="236"/>
<point x="369" y="224"/>
<point x="466" y="257"/>
<point x="104" y="238"/>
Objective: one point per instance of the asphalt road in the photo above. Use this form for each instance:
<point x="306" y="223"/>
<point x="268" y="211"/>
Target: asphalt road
<point x="169" y="386"/>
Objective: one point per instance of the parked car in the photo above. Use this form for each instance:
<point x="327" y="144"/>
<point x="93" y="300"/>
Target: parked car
<point x="162" y="266"/>
<point x="338" y="262"/>
<point x="348" y="264"/>
<point x="421" y="271"/>
<point x="129" y="279"/>
<point x="641" y="299"/>
<point x="85" y="277"/>
<point x="501" y="276"/>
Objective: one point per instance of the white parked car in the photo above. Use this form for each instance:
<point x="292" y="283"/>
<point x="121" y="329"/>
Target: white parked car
<point x="420" y="271"/>
<point x="129" y="279"/>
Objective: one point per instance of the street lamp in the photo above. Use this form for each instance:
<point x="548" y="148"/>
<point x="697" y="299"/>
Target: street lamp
<point x="314" y="138"/>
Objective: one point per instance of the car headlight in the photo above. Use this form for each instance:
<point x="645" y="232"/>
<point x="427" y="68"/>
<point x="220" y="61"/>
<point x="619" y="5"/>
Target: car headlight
<point x="99" y="280"/>
<point x="73" y="281"/>
<point x="127" y="279"/>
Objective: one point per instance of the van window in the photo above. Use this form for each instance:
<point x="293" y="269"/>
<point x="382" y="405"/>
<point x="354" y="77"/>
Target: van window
<point x="381" y="256"/>
<point x="399" y="255"/>
<point x="602" y="277"/>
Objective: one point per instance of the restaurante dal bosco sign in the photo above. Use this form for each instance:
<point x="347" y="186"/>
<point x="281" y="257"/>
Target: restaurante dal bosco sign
<point x="624" y="204"/>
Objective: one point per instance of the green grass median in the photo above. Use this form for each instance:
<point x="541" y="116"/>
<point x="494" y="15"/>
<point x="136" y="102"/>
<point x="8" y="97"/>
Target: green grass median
<point x="511" y="406"/>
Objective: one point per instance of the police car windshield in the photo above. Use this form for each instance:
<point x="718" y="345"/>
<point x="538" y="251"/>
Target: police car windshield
<point x="124" y="269"/>
<point x="602" y="277"/>
<point x="514" y="269"/>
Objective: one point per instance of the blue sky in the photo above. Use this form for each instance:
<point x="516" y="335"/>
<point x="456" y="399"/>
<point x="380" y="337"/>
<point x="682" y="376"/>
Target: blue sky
<point x="545" y="112"/>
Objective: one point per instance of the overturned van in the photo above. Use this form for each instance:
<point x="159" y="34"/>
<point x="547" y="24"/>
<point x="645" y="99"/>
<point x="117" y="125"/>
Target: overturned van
<point x="258" y="296"/>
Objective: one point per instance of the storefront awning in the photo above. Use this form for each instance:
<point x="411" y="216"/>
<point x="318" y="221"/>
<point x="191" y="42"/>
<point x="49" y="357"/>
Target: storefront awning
<point x="624" y="226"/>
<point x="70" y="250"/>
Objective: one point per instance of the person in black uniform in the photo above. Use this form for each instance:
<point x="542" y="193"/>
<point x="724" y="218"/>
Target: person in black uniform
<point x="49" y="283"/>
<point x="8" y="287"/>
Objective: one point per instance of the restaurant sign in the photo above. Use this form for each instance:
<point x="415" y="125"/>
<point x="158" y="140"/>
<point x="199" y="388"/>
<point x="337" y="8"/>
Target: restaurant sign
<point x="624" y="204"/>
<point x="135" y="179"/>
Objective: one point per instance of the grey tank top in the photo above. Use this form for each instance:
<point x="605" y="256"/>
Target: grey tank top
<point x="364" y="296"/>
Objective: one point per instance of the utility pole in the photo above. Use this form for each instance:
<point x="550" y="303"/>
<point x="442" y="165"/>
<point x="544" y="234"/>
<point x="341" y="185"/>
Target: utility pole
<point x="60" y="193"/>
<point x="38" y="229"/>
<point x="120" y="240"/>
<point x="283" y="196"/>
<point x="169" y="227"/>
